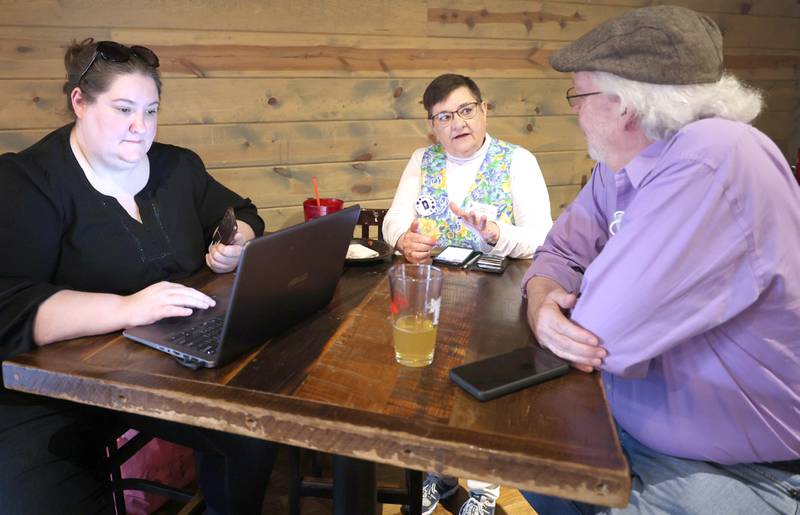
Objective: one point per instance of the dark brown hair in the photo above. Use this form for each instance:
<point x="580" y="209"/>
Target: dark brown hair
<point x="102" y="73"/>
<point x="441" y="87"/>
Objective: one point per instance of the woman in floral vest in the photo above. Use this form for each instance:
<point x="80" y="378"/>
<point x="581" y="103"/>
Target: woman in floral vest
<point x="469" y="189"/>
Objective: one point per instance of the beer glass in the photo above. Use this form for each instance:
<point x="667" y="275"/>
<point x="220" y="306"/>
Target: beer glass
<point x="416" y="298"/>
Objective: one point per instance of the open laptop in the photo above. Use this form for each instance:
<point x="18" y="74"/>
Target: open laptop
<point x="282" y="278"/>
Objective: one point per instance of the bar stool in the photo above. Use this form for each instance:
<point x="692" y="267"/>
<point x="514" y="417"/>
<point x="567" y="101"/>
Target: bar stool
<point x="116" y="456"/>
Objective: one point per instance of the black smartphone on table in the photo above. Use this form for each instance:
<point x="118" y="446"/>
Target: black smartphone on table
<point x="461" y="257"/>
<point x="505" y="373"/>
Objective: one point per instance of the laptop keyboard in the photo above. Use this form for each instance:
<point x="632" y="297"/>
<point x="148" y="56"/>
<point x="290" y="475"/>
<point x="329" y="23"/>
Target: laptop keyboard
<point x="203" y="337"/>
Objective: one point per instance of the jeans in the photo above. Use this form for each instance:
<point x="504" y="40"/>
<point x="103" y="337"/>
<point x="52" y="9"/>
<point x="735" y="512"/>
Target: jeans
<point x="665" y="484"/>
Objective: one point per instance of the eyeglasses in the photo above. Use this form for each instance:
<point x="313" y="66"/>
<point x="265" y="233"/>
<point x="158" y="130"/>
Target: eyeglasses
<point x="572" y="97"/>
<point x="118" y="53"/>
<point x="445" y="118"/>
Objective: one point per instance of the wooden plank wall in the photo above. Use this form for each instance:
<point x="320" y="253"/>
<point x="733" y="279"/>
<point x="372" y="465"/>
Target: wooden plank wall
<point x="270" y="93"/>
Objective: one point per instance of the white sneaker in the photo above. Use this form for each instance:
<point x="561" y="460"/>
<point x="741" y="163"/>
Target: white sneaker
<point x="478" y="505"/>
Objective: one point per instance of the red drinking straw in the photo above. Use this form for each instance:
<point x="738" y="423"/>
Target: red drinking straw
<point x="316" y="189"/>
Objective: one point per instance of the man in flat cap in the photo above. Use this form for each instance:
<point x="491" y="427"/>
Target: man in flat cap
<point x="676" y="271"/>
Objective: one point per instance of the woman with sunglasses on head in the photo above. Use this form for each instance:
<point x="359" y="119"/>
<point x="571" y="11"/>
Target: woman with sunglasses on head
<point x="469" y="189"/>
<point x="98" y="220"/>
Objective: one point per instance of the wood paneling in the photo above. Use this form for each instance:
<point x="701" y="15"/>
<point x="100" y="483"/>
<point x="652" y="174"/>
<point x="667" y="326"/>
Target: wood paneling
<point x="779" y="95"/>
<point x="28" y="104"/>
<point x="311" y="142"/>
<point x="29" y="52"/>
<point x="754" y="7"/>
<point x="321" y="16"/>
<point x="552" y="20"/>
<point x="515" y="18"/>
<point x="40" y="103"/>
<point x="565" y="21"/>
<point x="271" y="93"/>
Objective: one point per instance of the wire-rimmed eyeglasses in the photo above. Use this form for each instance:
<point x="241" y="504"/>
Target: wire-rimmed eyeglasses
<point x="573" y="98"/>
<point x="119" y="53"/>
<point x="445" y="118"/>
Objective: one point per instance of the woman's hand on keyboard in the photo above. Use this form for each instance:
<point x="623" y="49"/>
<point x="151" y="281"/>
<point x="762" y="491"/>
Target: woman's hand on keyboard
<point x="162" y="300"/>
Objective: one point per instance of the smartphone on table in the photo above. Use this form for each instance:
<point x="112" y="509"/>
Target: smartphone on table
<point x="456" y="256"/>
<point x="505" y="373"/>
<point x="492" y="264"/>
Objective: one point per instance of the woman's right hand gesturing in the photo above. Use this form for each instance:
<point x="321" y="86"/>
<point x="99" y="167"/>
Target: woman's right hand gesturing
<point x="162" y="300"/>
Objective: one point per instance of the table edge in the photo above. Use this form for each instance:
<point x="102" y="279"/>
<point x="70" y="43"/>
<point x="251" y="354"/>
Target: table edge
<point x="292" y="421"/>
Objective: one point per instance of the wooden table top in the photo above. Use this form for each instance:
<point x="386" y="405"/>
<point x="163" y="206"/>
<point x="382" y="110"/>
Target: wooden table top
<point x="331" y="383"/>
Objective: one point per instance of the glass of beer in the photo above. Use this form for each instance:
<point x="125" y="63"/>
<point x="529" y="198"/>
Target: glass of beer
<point x="416" y="295"/>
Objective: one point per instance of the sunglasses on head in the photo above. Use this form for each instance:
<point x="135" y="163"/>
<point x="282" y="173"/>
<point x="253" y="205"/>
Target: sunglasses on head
<point x="118" y="53"/>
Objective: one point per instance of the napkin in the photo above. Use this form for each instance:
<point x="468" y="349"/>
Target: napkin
<point x="358" y="251"/>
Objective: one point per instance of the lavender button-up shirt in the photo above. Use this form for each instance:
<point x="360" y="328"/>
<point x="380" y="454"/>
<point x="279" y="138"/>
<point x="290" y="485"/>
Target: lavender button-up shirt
<point x="688" y="266"/>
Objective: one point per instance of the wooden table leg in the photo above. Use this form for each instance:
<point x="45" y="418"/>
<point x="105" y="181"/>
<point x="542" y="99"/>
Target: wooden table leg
<point x="354" y="487"/>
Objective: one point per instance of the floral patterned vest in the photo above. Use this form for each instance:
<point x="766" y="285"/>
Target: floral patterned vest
<point x="492" y="186"/>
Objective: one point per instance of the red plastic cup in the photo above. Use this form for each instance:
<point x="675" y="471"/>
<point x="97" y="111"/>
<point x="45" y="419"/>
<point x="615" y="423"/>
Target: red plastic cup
<point x="326" y="206"/>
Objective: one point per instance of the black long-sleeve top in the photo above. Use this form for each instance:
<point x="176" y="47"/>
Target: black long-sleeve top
<point x="58" y="232"/>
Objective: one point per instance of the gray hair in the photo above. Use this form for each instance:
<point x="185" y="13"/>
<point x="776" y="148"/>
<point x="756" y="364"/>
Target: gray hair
<point x="663" y="109"/>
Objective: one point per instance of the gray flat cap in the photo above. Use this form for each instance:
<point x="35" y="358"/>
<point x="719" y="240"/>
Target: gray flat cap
<point x="660" y="45"/>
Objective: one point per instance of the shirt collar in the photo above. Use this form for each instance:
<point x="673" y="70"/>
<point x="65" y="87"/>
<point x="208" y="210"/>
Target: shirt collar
<point x="644" y="162"/>
<point x="479" y="154"/>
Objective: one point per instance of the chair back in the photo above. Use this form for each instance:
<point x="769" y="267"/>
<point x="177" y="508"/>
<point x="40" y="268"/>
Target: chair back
<point x="371" y="218"/>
